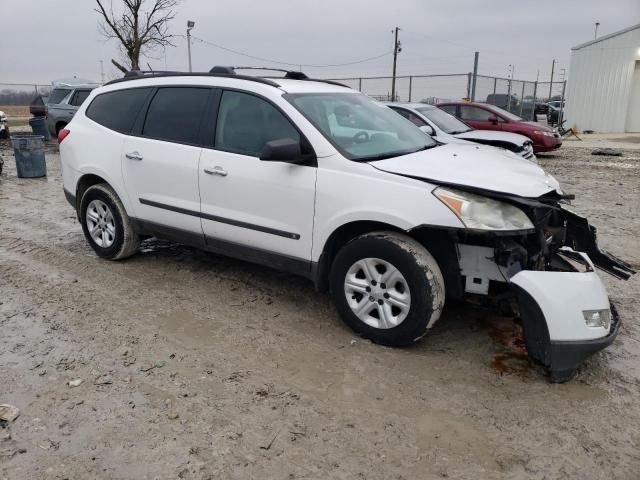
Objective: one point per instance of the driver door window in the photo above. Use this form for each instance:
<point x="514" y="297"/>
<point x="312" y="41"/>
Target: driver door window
<point x="246" y="123"/>
<point x="474" y="113"/>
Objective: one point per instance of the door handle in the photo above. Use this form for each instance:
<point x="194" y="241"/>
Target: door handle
<point x="133" y="156"/>
<point x="217" y="170"/>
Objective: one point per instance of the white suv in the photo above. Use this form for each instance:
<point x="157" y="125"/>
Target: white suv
<point x="317" y="179"/>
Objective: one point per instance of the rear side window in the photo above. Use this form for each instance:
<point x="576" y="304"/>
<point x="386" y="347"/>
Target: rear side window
<point x="474" y="113"/>
<point x="79" y="97"/>
<point x="58" y="95"/>
<point x="175" y="114"/>
<point x="118" y="110"/>
<point x="246" y="123"/>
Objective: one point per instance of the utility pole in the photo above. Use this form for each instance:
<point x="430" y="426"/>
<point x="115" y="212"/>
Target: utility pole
<point x="595" y="34"/>
<point x="475" y="76"/>
<point x="190" y="25"/>
<point x="553" y="65"/>
<point x="396" y="49"/>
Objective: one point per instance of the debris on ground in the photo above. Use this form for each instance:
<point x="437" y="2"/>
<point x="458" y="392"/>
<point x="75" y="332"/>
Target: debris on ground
<point x="75" y="383"/>
<point x="158" y="364"/>
<point x="8" y="413"/>
<point x="609" y="152"/>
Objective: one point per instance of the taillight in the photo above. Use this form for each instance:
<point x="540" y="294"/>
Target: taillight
<point x="62" y="134"/>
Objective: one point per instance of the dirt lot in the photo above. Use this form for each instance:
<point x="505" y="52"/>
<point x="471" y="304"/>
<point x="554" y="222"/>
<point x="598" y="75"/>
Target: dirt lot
<point x="195" y="366"/>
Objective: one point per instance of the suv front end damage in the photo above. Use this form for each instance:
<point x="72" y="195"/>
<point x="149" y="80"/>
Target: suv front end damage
<point x="550" y="270"/>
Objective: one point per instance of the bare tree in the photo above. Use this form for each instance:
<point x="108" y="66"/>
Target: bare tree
<point x="141" y="27"/>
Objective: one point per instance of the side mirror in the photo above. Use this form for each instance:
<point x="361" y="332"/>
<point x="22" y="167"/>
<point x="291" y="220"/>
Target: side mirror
<point x="428" y="129"/>
<point x="493" y="119"/>
<point x="282" y="150"/>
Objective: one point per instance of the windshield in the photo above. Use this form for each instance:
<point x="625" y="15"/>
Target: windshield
<point x="445" y="122"/>
<point x="360" y="128"/>
<point x="506" y="113"/>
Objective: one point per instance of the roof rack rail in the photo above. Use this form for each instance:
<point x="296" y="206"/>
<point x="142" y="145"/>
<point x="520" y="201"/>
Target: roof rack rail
<point x="290" y="74"/>
<point x="221" y="71"/>
<point x="133" y="75"/>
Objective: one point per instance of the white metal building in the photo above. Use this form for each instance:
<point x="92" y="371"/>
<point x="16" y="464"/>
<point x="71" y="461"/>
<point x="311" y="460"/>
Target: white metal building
<point x="603" y="92"/>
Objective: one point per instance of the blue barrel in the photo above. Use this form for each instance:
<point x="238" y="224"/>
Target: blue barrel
<point x="39" y="127"/>
<point x="29" y="154"/>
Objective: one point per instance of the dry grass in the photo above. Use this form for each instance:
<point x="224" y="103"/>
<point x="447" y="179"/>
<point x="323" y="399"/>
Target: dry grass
<point x="15" y="110"/>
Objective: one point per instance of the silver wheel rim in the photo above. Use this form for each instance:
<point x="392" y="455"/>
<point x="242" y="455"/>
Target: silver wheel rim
<point x="377" y="293"/>
<point x="101" y="224"/>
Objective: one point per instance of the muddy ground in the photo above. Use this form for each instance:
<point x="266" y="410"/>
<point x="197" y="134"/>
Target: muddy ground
<point x="195" y="366"/>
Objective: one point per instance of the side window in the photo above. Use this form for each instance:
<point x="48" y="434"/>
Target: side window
<point x="450" y="109"/>
<point x="175" y="114"/>
<point x="58" y="95"/>
<point x="118" y="110"/>
<point x="474" y="113"/>
<point x="412" y="117"/>
<point x="78" y="97"/>
<point x="246" y="123"/>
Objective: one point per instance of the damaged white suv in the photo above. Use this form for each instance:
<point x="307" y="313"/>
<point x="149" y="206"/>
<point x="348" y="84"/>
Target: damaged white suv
<point x="317" y="179"/>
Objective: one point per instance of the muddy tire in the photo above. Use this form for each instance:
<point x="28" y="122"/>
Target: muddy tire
<point x="106" y="225"/>
<point x="387" y="287"/>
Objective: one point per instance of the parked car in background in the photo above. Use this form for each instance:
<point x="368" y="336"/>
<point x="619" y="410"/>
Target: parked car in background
<point x="447" y="129"/>
<point x="4" y="127"/>
<point x="489" y="117"/>
<point x="553" y="114"/>
<point x="64" y="101"/>
<point x="504" y="100"/>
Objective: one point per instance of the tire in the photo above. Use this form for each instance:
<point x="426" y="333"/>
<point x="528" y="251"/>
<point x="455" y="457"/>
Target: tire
<point x="394" y="318"/>
<point x="116" y="234"/>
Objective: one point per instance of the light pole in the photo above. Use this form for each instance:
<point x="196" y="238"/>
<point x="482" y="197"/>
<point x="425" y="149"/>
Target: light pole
<point x="190" y="25"/>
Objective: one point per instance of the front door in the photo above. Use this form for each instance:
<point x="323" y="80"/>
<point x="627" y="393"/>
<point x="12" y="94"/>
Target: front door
<point x="253" y="207"/>
<point x="478" y="118"/>
<point x="160" y="166"/>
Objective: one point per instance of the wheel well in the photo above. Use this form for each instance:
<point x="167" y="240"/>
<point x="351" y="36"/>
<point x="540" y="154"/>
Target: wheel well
<point x="84" y="183"/>
<point x="441" y="244"/>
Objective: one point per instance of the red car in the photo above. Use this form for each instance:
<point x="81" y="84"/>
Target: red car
<point x="484" y="116"/>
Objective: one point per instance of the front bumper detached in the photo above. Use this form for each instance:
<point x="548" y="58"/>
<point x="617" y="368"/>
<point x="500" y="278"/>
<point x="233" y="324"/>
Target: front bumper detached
<point x="552" y="306"/>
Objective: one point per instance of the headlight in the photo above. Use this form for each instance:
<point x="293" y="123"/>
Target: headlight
<point x="482" y="213"/>
<point x="597" y="318"/>
<point x="546" y="134"/>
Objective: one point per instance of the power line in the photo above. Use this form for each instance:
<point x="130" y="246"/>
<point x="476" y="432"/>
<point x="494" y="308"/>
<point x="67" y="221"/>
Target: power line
<point x="270" y="60"/>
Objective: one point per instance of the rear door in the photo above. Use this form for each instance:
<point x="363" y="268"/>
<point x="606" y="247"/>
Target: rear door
<point x="160" y="163"/>
<point x="478" y="118"/>
<point x="250" y="206"/>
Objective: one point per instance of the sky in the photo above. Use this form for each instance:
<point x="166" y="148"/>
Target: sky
<point x="49" y="39"/>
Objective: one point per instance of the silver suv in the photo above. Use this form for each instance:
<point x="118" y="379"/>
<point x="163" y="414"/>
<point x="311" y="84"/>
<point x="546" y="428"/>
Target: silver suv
<point x="64" y="101"/>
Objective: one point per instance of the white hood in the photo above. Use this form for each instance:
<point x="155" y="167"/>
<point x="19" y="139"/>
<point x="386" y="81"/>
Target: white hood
<point x="474" y="166"/>
<point x="492" y="135"/>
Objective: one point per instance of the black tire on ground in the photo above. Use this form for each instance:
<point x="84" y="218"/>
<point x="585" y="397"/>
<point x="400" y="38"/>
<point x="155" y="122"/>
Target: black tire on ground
<point x="126" y="239"/>
<point x="420" y="270"/>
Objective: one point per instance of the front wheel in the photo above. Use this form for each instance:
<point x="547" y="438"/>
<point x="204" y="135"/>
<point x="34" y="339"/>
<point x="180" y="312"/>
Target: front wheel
<point x="106" y="225"/>
<point x="387" y="287"/>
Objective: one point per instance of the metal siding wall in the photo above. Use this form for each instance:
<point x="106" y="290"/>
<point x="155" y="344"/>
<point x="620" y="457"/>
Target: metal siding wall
<point x="600" y="83"/>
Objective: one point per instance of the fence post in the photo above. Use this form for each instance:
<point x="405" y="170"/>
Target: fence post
<point x="561" y="114"/>
<point x="522" y="99"/>
<point x="36" y="89"/>
<point x="469" y="85"/>
<point x="360" y="84"/>
<point x="475" y="77"/>
<point x="495" y="84"/>
<point x="509" y="96"/>
<point x="410" y="86"/>
<point x="535" y="100"/>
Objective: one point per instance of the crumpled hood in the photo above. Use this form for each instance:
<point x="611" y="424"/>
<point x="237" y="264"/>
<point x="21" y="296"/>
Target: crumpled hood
<point x="474" y="166"/>
<point x="492" y="135"/>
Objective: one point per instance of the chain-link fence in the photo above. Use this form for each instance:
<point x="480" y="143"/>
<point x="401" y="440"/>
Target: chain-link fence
<point x="21" y="94"/>
<point x="521" y="97"/>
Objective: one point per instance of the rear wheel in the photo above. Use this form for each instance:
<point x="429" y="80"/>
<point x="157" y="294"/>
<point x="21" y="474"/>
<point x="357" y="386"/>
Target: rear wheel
<point x="387" y="287"/>
<point x="106" y="225"/>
